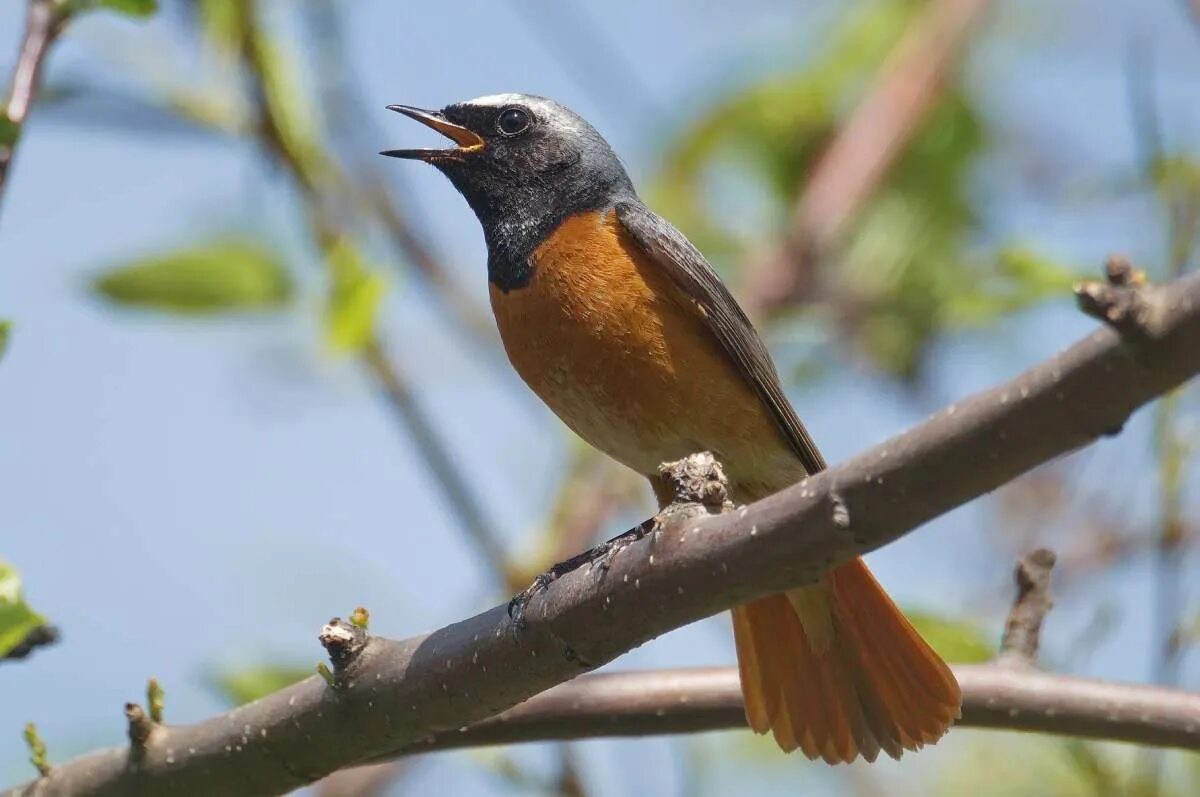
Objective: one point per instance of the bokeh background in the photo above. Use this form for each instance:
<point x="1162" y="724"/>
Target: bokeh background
<point x="251" y="380"/>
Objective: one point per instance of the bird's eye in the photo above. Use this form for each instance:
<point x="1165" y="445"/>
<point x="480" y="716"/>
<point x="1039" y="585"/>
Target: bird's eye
<point x="513" y="121"/>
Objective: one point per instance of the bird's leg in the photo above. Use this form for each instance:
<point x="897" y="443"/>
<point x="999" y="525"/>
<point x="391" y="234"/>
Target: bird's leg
<point x="601" y="556"/>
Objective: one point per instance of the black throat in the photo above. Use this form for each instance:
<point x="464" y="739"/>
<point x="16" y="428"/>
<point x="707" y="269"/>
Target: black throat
<point x="517" y="215"/>
<point x="513" y="237"/>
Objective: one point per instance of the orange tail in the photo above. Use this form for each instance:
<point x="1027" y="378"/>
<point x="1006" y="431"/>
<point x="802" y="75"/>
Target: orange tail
<point x="837" y="671"/>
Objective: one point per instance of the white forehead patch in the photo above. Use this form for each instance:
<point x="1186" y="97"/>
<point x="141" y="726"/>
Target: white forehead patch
<point x="496" y="100"/>
<point x="552" y="114"/>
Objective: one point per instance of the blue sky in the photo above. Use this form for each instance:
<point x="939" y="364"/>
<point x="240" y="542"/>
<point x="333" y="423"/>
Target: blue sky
<point x="188" y="494"/>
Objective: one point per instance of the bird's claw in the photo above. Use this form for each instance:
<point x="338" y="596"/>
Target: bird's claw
<point x="601" y="557"/>
<point x="520" y="601"/>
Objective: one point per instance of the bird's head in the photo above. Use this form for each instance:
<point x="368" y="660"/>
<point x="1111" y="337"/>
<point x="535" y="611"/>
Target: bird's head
<point x="521" y="161"/>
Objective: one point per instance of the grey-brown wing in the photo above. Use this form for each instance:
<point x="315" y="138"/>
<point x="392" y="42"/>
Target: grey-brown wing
<point x="671" y="250"/>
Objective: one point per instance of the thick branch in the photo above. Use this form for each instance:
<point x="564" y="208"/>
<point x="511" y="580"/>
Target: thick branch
<point x="394" y="693"/>
<point x="661" y="702"/>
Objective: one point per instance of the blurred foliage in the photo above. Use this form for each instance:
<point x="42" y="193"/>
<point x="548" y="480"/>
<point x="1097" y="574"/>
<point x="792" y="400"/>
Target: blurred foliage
<point x="1059" y="767"/>
<point x="1175" y="179"/>
<point x="907" y="269"/>
<point x="216" y="277"/>
<point x="956" y="641"/>
<point x="222" y="23"/>
<point x="132" y="8"/>
<point x="17" y="619"/>
<point x="353" y="300"/>
<point x="10" y="131"/>
<point x="5" y="333"/>
<point x="251" y="683"/>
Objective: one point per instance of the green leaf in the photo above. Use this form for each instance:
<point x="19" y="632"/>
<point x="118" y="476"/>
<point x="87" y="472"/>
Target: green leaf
<point x="5" y="333"/>
<point x="355" y="294"/>
<point x="132" y="8"/>
<point x="243" y="686"/>
<point x="907" y="268"/>
<point x="224" y="276"/>
<point x="17" y="619"/>
<point x="957" y="641"/>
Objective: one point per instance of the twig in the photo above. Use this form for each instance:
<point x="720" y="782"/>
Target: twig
<point x="308" y="176"/>
<point x="421" y="257"/>
<point x="460" y="498"/>
<point x="393" y="694"/>
<point x="1024" y="626"/>
<point x="44" y="20"/>
<point x="870" y="140"/>
<point x="350" y="121"/>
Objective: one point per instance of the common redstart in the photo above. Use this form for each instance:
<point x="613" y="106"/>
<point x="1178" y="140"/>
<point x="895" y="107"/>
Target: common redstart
<point x="620" y="325"/>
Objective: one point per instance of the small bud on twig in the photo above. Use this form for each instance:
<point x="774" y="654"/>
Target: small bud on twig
<point x="37" y="750"/>
<point x="1118" y="301"/>
<point x="155" y="699"/>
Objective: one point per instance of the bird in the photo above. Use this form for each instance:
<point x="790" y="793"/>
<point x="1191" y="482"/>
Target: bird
<point x="622" y="327"/>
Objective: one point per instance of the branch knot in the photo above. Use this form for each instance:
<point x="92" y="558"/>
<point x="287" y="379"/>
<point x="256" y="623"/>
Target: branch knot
<point x="697" y="479"/>
<point x="342" y="641"/>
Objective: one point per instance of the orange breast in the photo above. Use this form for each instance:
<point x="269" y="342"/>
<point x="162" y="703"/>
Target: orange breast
<point x="605" y="338"/>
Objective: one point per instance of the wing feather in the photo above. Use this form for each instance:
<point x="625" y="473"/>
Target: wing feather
<point x="676" y="255"/>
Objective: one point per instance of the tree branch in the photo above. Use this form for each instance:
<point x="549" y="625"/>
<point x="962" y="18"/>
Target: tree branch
<point x="659" y="702"/>
<point x="460" y="498"/>
<point x="998" y="695"/>
<point x="392" y="694"/>
<point x="43" y="22"/>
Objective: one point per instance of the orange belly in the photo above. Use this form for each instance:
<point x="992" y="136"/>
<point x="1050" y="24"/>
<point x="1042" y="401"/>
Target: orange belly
<point x="624" y="359"/>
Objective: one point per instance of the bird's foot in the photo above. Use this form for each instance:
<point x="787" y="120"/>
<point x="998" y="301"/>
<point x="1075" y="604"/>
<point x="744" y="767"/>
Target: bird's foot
<point x="599" y="557"/>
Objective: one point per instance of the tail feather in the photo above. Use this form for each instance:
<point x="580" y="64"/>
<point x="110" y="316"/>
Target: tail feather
<point x="836" y="671"/>
<point x="923" y="669"/>
<point x="843" y="723"/>
<point x="760" y="705"/>
<point x="812" y="726"/>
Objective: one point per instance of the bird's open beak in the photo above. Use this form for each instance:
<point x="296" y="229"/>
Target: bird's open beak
<point x="467" y="140"/>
